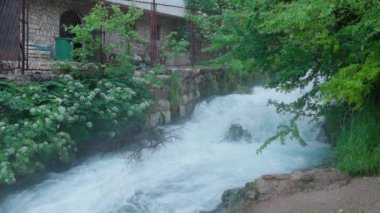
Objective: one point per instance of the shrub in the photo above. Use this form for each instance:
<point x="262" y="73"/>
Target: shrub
<point x="44" y="121"/>
<point x="357" y="140"/>
<point x="358" y="144"/>
<point x="175" y="93"/>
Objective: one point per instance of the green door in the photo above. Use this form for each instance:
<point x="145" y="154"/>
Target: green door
<point x="64" y="49"/>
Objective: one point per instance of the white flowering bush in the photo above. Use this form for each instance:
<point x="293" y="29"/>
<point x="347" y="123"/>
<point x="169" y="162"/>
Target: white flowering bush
<point x="41" y="122"/>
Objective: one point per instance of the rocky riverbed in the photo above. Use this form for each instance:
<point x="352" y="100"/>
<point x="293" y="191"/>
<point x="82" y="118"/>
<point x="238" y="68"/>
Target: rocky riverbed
<point x="304" y="191"/>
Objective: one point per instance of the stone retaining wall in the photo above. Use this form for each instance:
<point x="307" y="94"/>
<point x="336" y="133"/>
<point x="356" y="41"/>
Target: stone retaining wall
<point x="193" y="88"/>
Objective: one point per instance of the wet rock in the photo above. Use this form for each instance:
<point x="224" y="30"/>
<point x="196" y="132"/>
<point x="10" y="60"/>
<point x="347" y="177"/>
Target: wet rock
<point x="272" y="186"/>
<point x="237" y="132"/>
<point x="232" y="197"/>
<point x="269" y="186"/>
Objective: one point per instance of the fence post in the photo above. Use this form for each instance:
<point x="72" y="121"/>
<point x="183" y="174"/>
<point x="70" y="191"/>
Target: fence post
<point x="153" y="32"/>
<point x="23" y="37"/>
<point x="192" y="44"/>
<point x="27" y="33"/>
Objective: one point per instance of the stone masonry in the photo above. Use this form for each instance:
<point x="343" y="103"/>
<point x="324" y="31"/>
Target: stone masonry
<point x="44" y="18"/>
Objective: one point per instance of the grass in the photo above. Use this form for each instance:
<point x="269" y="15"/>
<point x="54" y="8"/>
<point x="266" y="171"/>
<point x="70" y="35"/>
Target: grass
<point x="357" y="141"/>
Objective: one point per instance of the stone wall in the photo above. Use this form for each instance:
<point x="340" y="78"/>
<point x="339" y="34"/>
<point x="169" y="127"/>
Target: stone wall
<point x="194" y="87"/>
<point x="44" y="18"/>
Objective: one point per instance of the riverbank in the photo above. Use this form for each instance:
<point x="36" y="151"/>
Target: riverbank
<point x="359" y="194"/>
<point x="309" y="191"/>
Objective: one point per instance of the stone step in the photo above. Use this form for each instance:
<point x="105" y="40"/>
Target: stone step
<point x="39" y="54"/>
<point x="33" y="51"/>
<point x="7" y="73"/>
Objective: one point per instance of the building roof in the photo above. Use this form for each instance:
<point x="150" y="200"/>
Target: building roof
<point x="166" y="7"/>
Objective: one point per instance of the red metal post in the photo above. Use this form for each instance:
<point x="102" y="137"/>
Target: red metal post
<point x="153" y="33"/>
<point x="23" y="38"/>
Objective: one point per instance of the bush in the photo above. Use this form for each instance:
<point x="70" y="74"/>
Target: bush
<point x="358" y="142"/>
<point x="44" y="121"/>
<point x="175" y="93"/>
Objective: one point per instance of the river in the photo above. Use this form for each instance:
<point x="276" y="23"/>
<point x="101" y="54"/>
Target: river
<point x="186" y="175"/>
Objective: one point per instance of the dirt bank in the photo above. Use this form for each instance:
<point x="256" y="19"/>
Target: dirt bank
<point x="359" y="193"/>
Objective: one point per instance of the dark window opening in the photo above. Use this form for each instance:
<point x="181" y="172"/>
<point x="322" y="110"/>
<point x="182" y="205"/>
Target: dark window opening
<point x="69" y="18"/>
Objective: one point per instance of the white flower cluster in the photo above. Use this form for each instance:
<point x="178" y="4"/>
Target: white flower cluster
<point x="36" y="97"/>
<point x="130" y="91"/>
<point x="89" y="125"/>
<point x="67" y="77"/>
<point x="112" y="134"/>
<point x="79" y="85"/>
<point x="144" y="105"/>
<point x="6" y="175"/>
<point x="2" y="126"/>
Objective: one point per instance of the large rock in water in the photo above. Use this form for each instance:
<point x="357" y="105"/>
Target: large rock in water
<point x="271" y="186"/>
<point x="237" y="132"/>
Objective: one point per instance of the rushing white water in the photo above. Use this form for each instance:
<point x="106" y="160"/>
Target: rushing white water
<point x="187" y="175"/>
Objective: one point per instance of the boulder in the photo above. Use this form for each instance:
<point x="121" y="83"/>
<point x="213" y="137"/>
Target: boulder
<point x="237" y="132"/>
<point x="269" y="186"/>
<point x="272" y="186"/>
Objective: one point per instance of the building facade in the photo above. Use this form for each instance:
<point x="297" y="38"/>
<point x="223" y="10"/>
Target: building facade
<point x="42" y="21"/>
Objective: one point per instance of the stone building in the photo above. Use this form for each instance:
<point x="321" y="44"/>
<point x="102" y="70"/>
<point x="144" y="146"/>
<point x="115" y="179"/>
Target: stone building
<point x="46" y="18"/>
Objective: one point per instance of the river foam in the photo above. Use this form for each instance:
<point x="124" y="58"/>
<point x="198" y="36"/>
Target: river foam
<point x="186" y="175"/>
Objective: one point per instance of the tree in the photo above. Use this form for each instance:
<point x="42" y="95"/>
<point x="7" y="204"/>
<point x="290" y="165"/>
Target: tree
<point x="102" y="22"/>
<point x="331" y="44"/>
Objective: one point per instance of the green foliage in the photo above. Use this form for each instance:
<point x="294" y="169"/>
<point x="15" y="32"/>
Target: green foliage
<point x="212" y="84"/>
<point x="353" y="83"/>
<point x="102" y="22"/>
<point x="333" y="46"/>
<point x="175" y="92"/>
<point x="358" y="142"/>
<point x="159" y="69"/>
<point x="151" y="75"/>
<point x="285" y="131"/>
<point x="43" y="121"/>
<point x="301" y="40"/>
<point x="173" y="46"/>
<point x="235" y="78"/>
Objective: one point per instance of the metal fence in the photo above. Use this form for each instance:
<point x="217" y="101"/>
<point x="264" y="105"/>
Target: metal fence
<point x="12" y="33"/>
<point x="30" y="30"/>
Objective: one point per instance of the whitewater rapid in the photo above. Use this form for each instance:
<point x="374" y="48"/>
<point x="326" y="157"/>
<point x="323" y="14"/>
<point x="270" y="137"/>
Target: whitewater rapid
<point x="187" y="175"/>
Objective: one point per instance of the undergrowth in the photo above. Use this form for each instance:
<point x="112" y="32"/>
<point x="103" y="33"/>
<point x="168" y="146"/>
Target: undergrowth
<point x="356" y="136"/>
<point x="175" y="93"/>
